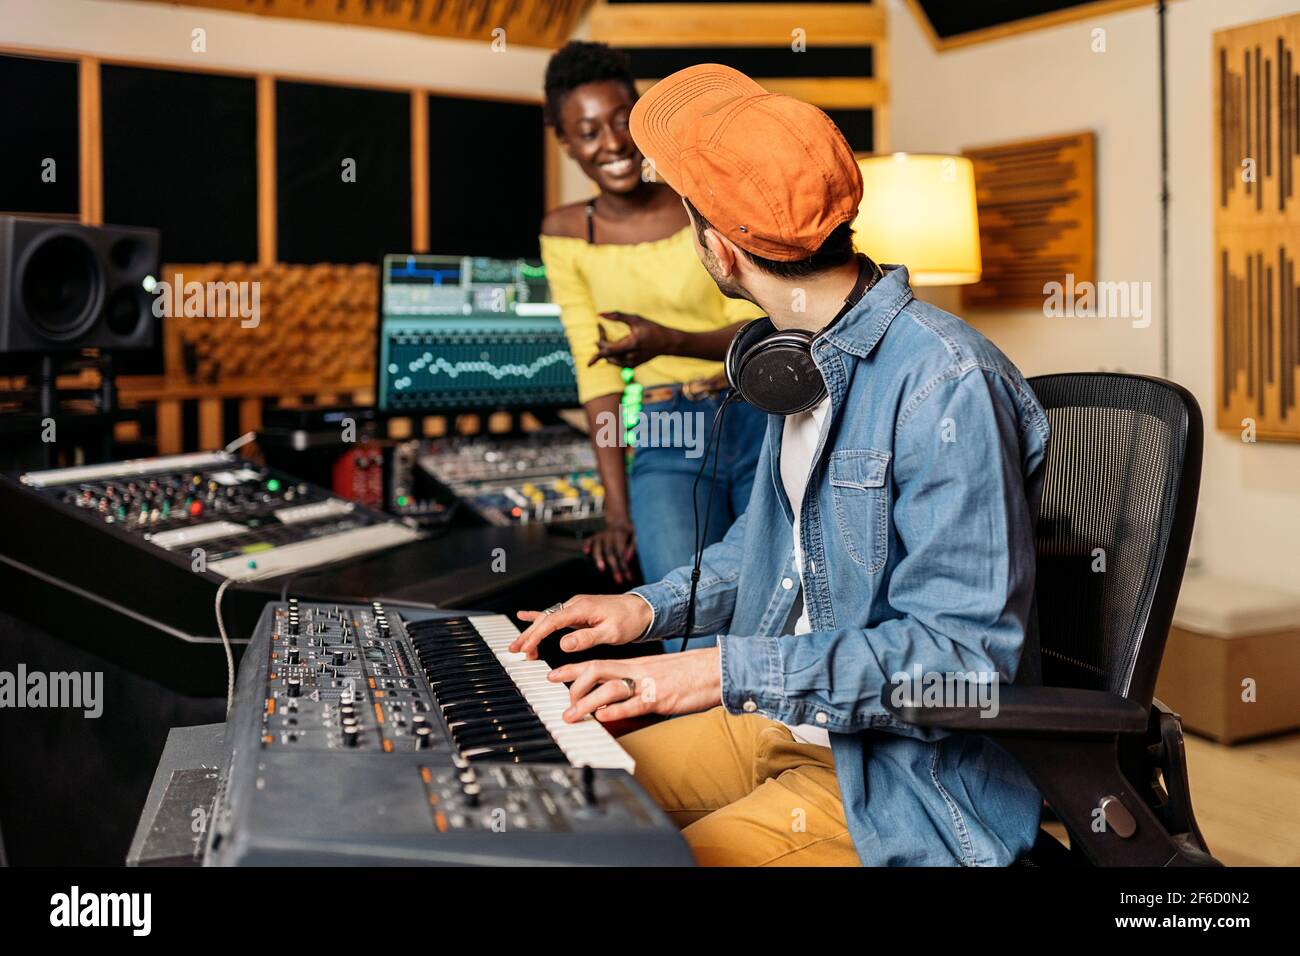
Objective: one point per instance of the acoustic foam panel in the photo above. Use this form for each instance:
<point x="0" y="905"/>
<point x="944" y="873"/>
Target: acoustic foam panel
<point x="952" y="18"/>
<point x="322" y="133"/>
<point x="180" y="154"/>
<point x="38" y="124"/>
<point x="776" y="61"/>
<point x="487" y="177"/>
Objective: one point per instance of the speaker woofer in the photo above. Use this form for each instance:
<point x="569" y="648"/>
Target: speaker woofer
<point x="126" y="308"/>
<point x="61" y="286"/>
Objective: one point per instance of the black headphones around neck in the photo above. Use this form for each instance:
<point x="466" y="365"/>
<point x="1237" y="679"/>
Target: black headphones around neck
<point x="773" y="369"/>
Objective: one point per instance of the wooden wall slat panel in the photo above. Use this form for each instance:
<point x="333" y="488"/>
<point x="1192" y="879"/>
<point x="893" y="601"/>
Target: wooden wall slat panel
<point x="1257" y="228"/>
<point x="1037" y="217"/>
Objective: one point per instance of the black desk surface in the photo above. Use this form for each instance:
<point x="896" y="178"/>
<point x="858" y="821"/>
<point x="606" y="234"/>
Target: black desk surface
<point x="466" y="568"/>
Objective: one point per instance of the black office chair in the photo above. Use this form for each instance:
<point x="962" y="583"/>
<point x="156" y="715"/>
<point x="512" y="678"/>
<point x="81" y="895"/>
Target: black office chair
<point x="1122" y="474"/>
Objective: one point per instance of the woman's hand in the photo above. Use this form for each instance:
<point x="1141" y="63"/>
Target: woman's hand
<point x="645" y="340"/>
<point x="612" y="548"/>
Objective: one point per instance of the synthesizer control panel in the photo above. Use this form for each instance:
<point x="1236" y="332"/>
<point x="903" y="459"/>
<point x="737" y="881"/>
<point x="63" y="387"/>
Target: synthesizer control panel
<point x="548" y="477"/>
<point x="359" y="738"/>
<point x="246" y="519"/>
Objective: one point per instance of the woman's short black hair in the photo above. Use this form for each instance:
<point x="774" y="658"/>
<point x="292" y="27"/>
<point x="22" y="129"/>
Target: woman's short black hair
<point x="579" y="62"/>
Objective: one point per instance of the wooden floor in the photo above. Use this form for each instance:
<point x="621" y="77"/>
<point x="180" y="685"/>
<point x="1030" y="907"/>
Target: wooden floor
<point x="1246" y="799"/>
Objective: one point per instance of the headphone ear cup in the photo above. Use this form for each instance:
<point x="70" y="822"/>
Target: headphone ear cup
<point x="778" y="374"/>
<point x="749" y="335"/>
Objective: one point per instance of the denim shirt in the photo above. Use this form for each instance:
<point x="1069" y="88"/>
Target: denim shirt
<point x="917" y="531"/>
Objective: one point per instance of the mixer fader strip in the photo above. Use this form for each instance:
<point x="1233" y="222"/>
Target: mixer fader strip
<point x="336" y="679"/>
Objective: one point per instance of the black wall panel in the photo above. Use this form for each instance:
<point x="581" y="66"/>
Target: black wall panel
<point x="858" y="127"/>
<point x="952" y="18"/>
<point x="320" y="217"/>
<point x="180" y="154"/>
<point x="486" y="177"/>
<point x="785" y="2"/>
<point x="653" y="62"/>
<point x="38" y="121"/>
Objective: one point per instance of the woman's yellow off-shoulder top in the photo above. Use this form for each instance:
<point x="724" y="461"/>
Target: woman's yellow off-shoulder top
<point x="661" y="280"/>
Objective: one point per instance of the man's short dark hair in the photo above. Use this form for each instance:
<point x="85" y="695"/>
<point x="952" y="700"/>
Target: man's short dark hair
<point x="577" y="63"/>
<point x="835" y="251"/>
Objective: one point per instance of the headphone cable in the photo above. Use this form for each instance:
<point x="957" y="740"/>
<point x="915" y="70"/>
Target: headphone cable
<point x="714" y="445"/>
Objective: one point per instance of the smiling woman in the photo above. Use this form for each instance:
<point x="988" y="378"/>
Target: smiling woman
<point x="623" y="266"/>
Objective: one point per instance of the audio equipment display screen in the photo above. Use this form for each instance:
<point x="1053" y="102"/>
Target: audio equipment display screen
<point x="470" y="332"/>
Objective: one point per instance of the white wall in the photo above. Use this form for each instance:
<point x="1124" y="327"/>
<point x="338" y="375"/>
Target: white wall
<point x="1050" y="81"/>
<point x="238" y="41"/>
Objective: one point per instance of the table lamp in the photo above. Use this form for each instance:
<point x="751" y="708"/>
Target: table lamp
<point x="918" y="210"/>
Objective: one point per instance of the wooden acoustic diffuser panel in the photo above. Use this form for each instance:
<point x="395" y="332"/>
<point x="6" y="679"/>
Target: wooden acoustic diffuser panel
<point x="1257" y="227"/>
<point x="544" y="23"/>
<point x="315" y="326"/>
<point x="1036" y="210"/>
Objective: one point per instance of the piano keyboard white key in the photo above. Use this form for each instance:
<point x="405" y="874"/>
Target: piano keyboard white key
<point x="587" y="743"/>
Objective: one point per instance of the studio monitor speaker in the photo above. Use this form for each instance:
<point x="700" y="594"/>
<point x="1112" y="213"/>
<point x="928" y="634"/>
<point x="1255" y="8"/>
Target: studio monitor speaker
<point x="65" y="286"/>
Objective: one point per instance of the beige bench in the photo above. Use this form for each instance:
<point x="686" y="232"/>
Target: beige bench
<point x="1232" y="664"/>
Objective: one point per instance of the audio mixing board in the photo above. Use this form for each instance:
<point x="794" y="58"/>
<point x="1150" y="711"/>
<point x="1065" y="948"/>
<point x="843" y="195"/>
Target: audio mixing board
<point x="160" y="534"/>
<point x="359" y="738"/>
<point x="547" y="477"/>
<point x="245" y="519"/>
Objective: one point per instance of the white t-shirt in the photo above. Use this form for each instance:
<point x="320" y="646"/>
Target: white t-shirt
<point x="798" y="445"/>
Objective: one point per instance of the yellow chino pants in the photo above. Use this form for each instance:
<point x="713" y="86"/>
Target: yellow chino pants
<point x="743" y="791"/>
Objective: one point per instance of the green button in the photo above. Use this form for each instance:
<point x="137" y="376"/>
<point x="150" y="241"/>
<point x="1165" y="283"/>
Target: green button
<point x="273" y="485"/>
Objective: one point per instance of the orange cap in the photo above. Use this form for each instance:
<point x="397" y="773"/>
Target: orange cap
<point x="771" y="173"/>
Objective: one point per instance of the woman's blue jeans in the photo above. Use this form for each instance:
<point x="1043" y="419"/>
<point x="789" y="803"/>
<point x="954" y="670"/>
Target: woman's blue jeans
<point x="671" y="446"/>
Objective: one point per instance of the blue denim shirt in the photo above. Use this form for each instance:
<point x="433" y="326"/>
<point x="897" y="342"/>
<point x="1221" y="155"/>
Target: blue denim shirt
<point x="917" y="529"/>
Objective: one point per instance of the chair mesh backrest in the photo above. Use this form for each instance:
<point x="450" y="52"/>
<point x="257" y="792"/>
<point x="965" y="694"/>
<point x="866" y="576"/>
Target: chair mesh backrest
<point x="1112" y="487"/>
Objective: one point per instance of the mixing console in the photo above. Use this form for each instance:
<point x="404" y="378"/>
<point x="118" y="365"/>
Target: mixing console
<point x="247" y="519"/>
<point x="356" y="737"/>
<point x="548" y="476"/>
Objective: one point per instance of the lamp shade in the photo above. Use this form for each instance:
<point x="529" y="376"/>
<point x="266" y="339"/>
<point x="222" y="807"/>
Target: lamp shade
<point x="919" y="211"/>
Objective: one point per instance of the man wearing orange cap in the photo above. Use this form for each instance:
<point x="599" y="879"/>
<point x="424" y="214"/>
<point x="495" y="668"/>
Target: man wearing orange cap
<point x="887" y="548"/>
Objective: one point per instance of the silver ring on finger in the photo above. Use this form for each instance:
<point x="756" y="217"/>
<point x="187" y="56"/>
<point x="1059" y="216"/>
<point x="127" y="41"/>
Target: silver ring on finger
<point x="630" y="684"/>
<point x="554" y="607"/>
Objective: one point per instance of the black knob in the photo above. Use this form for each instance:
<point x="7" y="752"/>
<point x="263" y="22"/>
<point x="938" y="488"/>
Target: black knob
<point x="293" y="655"/>
<point x="293" y="687"/>
<point x="351" y="735"/>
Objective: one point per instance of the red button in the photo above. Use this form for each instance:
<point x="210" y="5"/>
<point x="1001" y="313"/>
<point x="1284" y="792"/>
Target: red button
<point x="196" y="507"/>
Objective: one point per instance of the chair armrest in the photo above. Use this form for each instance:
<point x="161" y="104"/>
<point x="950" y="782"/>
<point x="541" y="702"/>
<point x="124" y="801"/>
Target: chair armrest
<point x="1024" y="709"/>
